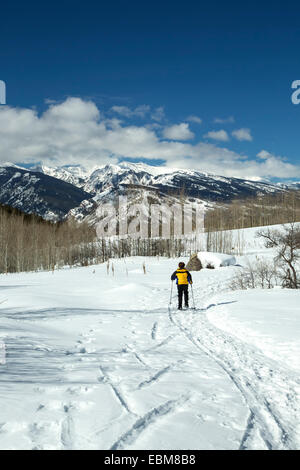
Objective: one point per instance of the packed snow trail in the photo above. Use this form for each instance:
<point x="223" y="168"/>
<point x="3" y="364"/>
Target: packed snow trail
<point x="271" y="394"/>
<point x="83" y="372"/>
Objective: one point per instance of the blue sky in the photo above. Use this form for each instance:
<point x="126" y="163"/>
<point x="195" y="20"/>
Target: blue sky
<point x="176" y="80"/>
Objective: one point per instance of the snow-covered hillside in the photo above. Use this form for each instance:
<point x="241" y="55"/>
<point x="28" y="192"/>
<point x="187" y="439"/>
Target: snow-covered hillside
<point x="100" y="360"/>
<point x="195" y="183"/>
<point x="108" y="182"/>
<point x="38" y="193"/>
<point x="72" y="174"/>
<point x="52" y="191"/>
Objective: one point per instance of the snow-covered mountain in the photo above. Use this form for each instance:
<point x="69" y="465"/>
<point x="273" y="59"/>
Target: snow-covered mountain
<point x="73" y="174"/>
<point x="53" y="192"/>
<point x="292" y="185"/>
<point x="35" y="192"/>
<point x="158" y="184"/>
<point x="193" y="182"/>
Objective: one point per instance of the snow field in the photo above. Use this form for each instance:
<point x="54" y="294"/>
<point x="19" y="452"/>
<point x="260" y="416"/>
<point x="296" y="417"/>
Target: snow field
<point x="215" y="260"/>
<point x="97" y="361"/>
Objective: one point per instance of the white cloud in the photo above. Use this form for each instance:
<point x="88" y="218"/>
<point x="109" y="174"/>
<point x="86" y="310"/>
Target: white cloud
<point x="112" y="123"/>
<point x="76" y="132"/>
<point x="158" y="114"/>
<point x="194" y="119"/>
<point x="122" y="110"/>
<point x="242" y="134"/>
<point x="50" y="101"/>
<point x="209" y="157"/>
<point x="228" y="120"/>
<point x="218" y="135"/>
<point x="274" y="165"/>
<point x="178" y="132"/>
<point x="139" y="111"/>
<point x="264" y="155"/>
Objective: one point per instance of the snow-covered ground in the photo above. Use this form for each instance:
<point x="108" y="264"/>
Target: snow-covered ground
<point x="98" y="361"/>
<point x="215" y="260"/>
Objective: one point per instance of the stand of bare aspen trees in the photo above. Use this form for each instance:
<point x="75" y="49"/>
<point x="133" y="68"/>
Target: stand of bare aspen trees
<point x="29" y="243"/>
<point x="257" y="211"/>
<point x="260" y="211"/>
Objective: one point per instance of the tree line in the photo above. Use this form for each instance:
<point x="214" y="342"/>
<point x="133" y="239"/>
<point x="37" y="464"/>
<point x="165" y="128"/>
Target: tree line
<point x="262" y="210"/>
<point x="29" y="243"/>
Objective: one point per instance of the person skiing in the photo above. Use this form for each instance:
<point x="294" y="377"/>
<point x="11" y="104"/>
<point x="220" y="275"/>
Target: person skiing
<point x="183" y="279"/>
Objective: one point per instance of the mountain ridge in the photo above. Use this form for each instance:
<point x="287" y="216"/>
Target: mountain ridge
<point x="72" y="190"/>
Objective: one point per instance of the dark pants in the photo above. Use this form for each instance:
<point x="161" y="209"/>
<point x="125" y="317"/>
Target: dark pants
<point x="183" y="289"/>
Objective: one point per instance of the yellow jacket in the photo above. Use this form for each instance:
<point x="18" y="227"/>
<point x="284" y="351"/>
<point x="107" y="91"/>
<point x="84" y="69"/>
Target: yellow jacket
<point x="182" y="276"/>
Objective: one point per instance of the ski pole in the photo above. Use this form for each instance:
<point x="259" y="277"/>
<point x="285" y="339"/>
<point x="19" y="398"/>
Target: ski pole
<point x="193" y="296"/>
<point x="170" y="303"/>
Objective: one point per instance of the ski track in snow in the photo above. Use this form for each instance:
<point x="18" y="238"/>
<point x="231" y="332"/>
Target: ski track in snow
<point x="145" y="421"/>
<point x="67" y="429"/>
<point x="105" y="377"/>
<point x="261" y="381"/>
<point x="156" y="376"/>
<point x="128" y="377"/>
<point x="154" y="331"/>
